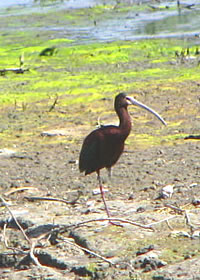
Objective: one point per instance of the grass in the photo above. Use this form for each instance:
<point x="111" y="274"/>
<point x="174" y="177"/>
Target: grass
<point x="81" y="76"/>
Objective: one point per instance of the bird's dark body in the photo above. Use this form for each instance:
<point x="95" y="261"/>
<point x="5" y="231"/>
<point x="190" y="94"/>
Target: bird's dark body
<point x="101" y="148"/>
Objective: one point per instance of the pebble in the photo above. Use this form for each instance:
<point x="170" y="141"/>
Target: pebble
<point x="97" y="191"/>
<point x="7" y="152"/>
<point x="82" y="270"/>
<point x="54" y="132"/>
<point x="167" y="191"/>
<point x="196" y="234"/>
<point x="145" y="250"/>
<point x="148" y="263"/>
<point x="193" y="185"/>
<point x="161" y="277"/>
<point x="196" y="201"/>
<point x="177" y="233"/>
<point x="140" y="209"/>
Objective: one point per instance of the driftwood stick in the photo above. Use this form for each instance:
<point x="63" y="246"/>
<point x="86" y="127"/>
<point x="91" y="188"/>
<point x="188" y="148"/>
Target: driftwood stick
<point x="192" y="137"/>
<point x="17" y="223"/>
<point x="86" y="250"/>
<point x="32" y="256"/>
<point x="19" y="190"/>
<point x="32" y="198"/>
<point x="163" y="220"/>
<point x="168" y="224"/>
<point x="54" y="104"/>
<point x="16" y="251"/>
<point x="176" y="209"/>
<point x="189" y="224"/>
<point x="4" y="236"/>
<point x="15" y="70"/>
<point x="114" y="219"/>
<point x="31" y="244"/>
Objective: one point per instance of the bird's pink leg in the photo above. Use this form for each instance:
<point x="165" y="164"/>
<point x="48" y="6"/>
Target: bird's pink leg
<point x="102" y="194"/>
<point x="104" y="201"/>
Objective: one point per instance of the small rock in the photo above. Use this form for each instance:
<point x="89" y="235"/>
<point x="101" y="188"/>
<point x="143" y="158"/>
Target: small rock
<point x="193" y="185"/>
<point x="80" y="240"/>
<point x="141" y="209"/>
<point x="131" y="196"/>
<point x="196" y="234"/>
<point x="186" y="257"/>
<point x="82" y="271"/>
<point x="161" y="277"/>
<point x="12" y="224"/>
<point x="36" y="231"/>
<point x="145" y="250"/>
<point x="46" y="259"/>
<point x="89" y="270"/>
<point x="85" y="211"/>
<point x="160" y="162"/>
<point x="152" y="263"/>
<point x="7" y="153"/>
<point x="166" y="192"/>
<point x="97" y="191"/>
<point x="196" y="201"/>
<point x="7" y="261"/>
<point x="73" y="161"/>
<point x="148" y="263"/>
<point x="55" y="132"/>
<point x="145" y="189"/>
<point x="177" y="233"/>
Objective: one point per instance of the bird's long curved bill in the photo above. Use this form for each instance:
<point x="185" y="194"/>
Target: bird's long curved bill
<point x="137" y="103"/>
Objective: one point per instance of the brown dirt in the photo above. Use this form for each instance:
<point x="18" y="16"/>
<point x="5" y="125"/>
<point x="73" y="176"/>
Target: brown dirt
<point x="50" y="168"/>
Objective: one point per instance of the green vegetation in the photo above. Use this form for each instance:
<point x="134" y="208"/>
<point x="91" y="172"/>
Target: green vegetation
<point x="86" y="77"/>
<point x="96" y="69"/>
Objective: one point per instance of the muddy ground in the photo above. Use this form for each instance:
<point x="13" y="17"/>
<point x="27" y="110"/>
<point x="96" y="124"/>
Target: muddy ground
<point x="41" y="138"/>
<point x="47" y="169"/>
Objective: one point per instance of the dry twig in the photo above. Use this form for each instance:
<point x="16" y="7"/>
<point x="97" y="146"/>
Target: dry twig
<point x="17" y="223"/>
<point x="114" y="219"/>
<point x="32" y="256"/>
<point x="13" y="190"/>
<point x="15" y="70"/>
<point x="31" y="244"/>
<point x="54" y="104"/>
<point x="86" y="250"/>
<point x="186" y="216"/>
<point x="161" y="221"/>
<point x="16" y="251"/>
<point x="189" y="224"/>
<point x="176" y="209"/>
<point x="168" y="224"/>
<point x="32" y="198"/>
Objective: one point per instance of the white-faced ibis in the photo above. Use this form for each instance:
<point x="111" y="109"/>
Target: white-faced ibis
<point x="103" y="146"/>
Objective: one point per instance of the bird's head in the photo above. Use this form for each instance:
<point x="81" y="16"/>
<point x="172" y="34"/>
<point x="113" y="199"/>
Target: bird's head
<point x="123" y="100"/>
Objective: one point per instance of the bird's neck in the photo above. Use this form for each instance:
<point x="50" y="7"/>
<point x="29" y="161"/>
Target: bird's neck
<point x="124" y="122"/>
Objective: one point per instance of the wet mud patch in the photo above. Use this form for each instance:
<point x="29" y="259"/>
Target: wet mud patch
<point x="45" y="115"/>
<point x="133" y="194"/>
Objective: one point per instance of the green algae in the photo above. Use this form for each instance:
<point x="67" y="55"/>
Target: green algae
<point x="85" y="79"/>
<point x="84" y="74"/>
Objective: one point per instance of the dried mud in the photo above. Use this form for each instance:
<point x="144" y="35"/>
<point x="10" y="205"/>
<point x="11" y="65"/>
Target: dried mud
<point x="34" y="164"/>
<point x="51" y="170"/>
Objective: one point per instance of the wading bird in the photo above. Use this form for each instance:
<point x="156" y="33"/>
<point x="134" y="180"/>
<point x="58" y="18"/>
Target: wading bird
<point x="103" y="146"/>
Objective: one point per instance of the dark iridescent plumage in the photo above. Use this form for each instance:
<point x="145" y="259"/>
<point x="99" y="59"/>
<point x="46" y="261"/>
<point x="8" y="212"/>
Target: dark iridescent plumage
<point x="103" y="146"/>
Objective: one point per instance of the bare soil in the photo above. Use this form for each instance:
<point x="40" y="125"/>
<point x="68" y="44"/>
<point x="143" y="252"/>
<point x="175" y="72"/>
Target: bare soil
<point x="47" y="169"/>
